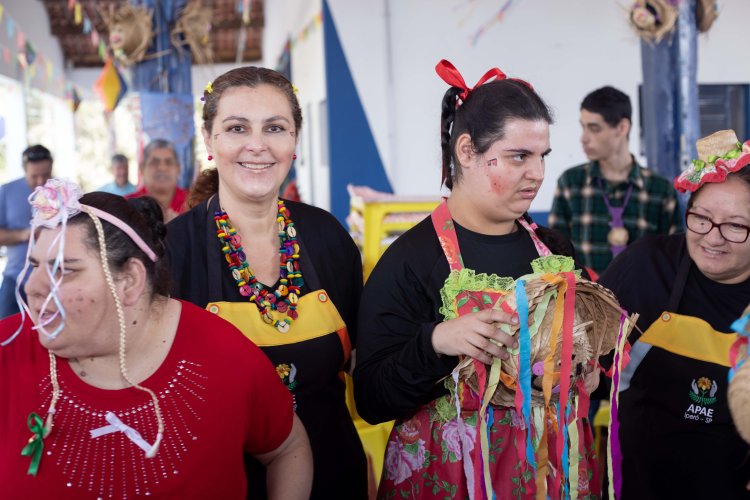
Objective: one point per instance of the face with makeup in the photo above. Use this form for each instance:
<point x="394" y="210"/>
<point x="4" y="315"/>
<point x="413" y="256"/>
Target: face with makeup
<point x="503" y="181"/>
<point x="252" y="140"/>
<point x="83" y="293"/>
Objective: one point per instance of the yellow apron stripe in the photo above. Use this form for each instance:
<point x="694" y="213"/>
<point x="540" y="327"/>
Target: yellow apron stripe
<point x="317" y="317"/>
<point x="689" y="337"/>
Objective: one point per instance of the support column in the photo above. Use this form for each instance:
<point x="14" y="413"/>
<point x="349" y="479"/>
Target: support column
<point x="669" y="97"/>
<point x="164" y="83"/>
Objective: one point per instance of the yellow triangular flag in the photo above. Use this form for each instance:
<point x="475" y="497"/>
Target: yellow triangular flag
<point x="78" y="15"/>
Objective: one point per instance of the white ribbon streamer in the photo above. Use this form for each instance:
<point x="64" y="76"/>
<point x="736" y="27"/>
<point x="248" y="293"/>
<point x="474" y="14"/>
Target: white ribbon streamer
<point x="117" y="425"/>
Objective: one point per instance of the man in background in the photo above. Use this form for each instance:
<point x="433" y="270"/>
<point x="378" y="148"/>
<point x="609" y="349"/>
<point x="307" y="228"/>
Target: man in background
<point x="160" y="171"/>
<point x="120" y="185"/>
<point x="15" y="215"/>
<point x="610" y="201"/>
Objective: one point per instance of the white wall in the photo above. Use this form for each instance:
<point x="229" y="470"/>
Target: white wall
<point x="722" y="52"/>
<point x="565" y="49"/>
<point x="286" y="19"/>
<point x="58" y="131"/>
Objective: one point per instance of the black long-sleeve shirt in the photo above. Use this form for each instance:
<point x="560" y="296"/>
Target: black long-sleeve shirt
<point x="397" y="369"/>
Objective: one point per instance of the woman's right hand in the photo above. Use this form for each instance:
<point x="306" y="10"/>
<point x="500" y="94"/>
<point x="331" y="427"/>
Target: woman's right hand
<point x="472" y="335"/>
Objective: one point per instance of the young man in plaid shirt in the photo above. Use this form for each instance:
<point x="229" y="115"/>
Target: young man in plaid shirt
<point x="610" y="201"/>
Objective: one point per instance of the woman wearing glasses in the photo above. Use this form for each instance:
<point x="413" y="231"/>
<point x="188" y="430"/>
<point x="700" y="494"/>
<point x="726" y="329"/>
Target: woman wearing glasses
<point x="286" y="274"/>
<point x="676" y="433"/>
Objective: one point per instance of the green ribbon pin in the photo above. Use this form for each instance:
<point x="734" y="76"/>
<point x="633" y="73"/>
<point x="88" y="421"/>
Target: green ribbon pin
<point x="36" y="443"/>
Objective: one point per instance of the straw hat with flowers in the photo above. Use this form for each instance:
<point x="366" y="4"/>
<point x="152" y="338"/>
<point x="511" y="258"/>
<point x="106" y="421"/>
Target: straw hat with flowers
<point x="719" y="154"/>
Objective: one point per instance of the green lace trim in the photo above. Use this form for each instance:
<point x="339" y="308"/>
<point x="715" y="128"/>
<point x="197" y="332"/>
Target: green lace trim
<point x="554" y="264"/>
<point x="466" y="280"/>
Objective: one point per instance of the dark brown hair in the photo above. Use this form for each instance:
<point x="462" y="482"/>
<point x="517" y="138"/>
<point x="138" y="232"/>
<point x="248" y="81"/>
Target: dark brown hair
<point x="145" y="216"/>
<point x="248" y="76"/>
<point x="483" y="116"/>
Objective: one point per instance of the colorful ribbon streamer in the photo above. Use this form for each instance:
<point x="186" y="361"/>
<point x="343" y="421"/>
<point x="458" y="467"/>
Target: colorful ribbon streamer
<point x="524" y="358"/>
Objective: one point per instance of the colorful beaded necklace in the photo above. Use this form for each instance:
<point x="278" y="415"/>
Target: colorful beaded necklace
<point x="284" y="299"/>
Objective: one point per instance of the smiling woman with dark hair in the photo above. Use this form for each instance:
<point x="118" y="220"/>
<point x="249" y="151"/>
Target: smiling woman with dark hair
<point x="285" y="273"/>
<point x="688" y="289"/>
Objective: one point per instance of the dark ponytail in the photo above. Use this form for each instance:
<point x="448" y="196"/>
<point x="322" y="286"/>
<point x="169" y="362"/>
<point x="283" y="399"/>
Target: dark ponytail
<point x="447" y="117"/>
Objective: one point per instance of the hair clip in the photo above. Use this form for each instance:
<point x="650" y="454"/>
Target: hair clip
<point x="295" y="89"/>
<point x="209" y="88"/>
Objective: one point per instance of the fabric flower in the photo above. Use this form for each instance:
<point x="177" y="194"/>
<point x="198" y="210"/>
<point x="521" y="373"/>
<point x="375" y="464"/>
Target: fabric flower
<point x="400" y="462"/>
<point x="452" y="437"/>
<point x="53" y="202"/>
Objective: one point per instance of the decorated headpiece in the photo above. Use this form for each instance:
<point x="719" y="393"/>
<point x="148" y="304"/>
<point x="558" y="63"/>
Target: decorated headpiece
<point x="53" y="205"/>
<point x="452" y="77"/>
<point x="719" y="155"/>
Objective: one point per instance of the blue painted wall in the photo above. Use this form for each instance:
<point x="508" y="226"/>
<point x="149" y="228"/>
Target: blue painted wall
<point x="354" y="157"/>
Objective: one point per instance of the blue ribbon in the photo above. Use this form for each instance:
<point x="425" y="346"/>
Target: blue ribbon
<point x="524" y="356"/>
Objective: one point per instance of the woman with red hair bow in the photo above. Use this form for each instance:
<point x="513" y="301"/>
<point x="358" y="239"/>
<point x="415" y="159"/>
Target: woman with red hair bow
<point x="412" y="330"/>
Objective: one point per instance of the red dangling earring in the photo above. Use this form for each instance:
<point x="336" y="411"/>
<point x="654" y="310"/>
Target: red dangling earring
<point x="210" y="157"/>
<point x="294" y="157"/>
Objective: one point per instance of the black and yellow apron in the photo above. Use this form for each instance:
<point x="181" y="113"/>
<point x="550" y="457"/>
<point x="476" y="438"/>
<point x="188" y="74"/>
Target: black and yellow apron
<point x="676" y="433"/>
<point x="310" y="359"/>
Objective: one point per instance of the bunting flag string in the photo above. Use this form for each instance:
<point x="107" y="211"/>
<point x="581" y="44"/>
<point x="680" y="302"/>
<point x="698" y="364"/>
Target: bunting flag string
<point x="38" y="68"/>
<point x="311" y="27"/>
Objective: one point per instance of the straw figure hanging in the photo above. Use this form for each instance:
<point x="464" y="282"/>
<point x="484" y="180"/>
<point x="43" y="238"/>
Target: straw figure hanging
<point x="193" y="28"/>
<point x="653" y="19"/>
<point x="739" y="377"/>
<point x="130" y="32"/>
<point x="565" y="324"/>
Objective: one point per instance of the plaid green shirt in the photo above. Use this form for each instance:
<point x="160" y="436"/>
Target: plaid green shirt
<point x="579" y="210"/>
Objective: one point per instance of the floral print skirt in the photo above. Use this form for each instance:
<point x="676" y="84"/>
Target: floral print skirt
<point x="424" y="456"/>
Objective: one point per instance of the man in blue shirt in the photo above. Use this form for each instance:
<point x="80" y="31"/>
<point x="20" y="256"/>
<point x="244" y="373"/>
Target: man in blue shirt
<point x="15" y="215"/>
<point x="120" y="186"/>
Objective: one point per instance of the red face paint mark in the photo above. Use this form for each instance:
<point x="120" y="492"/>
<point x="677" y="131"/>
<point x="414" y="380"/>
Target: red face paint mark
<point x="492" y="162"/>
<point x="496" y="186"/>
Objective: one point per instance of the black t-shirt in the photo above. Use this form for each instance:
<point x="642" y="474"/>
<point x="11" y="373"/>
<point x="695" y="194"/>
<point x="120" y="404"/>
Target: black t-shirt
<point x="642" y="278"/>
<point x="329" y="260"/>
<point x="397" y="369"/>
<point x="665" y="454"/>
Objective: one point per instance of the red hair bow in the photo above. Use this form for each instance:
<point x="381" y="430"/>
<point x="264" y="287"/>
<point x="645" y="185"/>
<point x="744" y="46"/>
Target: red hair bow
<point x="452" y="77"/>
